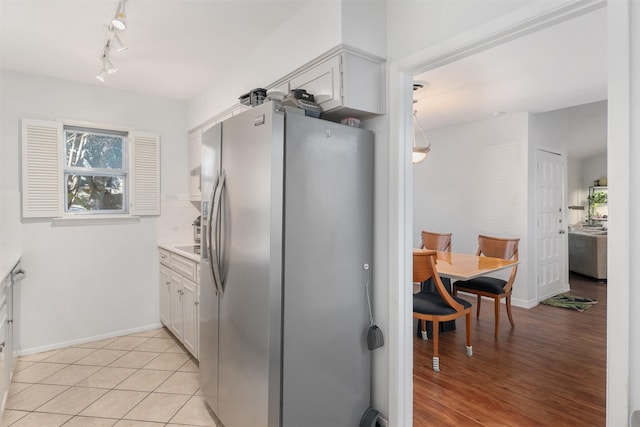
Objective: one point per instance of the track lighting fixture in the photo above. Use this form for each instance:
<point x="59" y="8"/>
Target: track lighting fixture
<point x="118" y="23"/>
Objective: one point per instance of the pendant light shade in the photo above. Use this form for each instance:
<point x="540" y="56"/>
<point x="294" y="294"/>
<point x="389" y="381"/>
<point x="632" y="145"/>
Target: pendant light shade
<point x="421" y="145"/>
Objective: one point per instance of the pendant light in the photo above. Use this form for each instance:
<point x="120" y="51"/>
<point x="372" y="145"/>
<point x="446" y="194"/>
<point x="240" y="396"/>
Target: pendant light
<point x="421" y="145"/>
<point x="419" y="152"/>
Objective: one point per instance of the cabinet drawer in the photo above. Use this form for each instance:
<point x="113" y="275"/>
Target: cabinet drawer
<point x="165" y="257"/>
<point x="184" y="266"/>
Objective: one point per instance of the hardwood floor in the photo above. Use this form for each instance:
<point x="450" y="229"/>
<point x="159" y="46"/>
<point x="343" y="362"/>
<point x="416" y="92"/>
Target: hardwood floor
<point x="550" y="370"/>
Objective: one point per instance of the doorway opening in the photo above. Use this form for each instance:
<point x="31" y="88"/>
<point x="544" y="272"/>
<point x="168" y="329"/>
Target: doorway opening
<point x="478" y="201"/>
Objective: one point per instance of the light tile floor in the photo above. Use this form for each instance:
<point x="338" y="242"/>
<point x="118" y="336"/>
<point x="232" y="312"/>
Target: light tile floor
<point x="141" y="380"/>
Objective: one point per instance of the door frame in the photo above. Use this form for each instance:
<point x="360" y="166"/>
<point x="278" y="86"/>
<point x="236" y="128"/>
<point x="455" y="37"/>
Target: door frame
<point x="523" y="21"/>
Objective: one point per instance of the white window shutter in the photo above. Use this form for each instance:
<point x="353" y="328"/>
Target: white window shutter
<point x="145" y="173"/>
<point x="42" y="185"/>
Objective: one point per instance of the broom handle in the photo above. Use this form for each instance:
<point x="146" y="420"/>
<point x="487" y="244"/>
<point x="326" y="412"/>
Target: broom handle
<point x="366" y="288"/>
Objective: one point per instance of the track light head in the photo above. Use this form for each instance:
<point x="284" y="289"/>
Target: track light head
<point x="101" y="75"/>
<point x="109" y="66"/>
<point x="120" y="47"/>
<point x="120" y="20"/>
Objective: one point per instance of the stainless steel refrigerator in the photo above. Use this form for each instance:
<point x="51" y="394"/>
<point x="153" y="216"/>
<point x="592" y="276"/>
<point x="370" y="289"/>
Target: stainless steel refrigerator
<point x="287" y="209"/>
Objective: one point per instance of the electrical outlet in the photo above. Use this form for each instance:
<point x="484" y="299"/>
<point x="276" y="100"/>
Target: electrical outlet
<point x="381" y="422"/>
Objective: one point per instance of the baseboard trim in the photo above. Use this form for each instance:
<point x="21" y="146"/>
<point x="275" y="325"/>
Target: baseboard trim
<point x="56" y="346"/>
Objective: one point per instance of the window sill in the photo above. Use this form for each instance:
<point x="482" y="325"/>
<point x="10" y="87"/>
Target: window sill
<point x="96" y="220"/>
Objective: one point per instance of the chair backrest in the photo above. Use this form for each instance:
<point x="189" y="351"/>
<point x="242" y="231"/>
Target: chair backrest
<point x="424" y="268"/>
<point x="497" y="247"/>
<point x="436" y="241"/>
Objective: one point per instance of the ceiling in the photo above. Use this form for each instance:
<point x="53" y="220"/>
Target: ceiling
<point x="561" y="66"/>
<point x="176" y="47"/>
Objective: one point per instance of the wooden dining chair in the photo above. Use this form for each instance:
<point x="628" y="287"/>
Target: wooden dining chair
<point x="439" y="305"/>
<point x="492" y="287"/>
<point x="436" y="241"/>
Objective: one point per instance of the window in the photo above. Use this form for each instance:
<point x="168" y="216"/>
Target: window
<point x="95" y="171"/>
<point x="73" y="170"/>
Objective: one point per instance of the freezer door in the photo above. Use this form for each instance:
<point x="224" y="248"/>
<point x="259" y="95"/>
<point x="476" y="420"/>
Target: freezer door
<point x="250" y="303"/>
<point x="208" y="357"/>
<point x="328" y="239"/>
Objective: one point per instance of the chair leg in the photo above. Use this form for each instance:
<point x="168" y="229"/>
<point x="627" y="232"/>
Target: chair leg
<point x="496" y="303"/>
<point x="508" y="301"/>
<point x="436" y="359"/>
<point x="478" y="312"/>
<point x="468" y="326"/>
<point x="423" y="329"/>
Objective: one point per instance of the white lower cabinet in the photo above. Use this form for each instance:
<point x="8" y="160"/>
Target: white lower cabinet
<point x="177" y="322"/>
<point x="165" y="295"/>
<point x="8" y="356"/>
<point x="190" y="322"/>
<point x="179" y="298"/>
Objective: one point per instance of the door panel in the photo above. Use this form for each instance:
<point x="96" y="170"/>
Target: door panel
<point x="250" y="313"/>
<point x="552" y="274"/>
<point x="328" y="239"/>
<point x="208" y="309"/>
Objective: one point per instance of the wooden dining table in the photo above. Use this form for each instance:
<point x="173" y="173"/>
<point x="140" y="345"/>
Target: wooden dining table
<point x="457" y="266"/>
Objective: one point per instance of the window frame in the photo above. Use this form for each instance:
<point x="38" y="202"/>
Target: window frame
<point x="102" y="172"/>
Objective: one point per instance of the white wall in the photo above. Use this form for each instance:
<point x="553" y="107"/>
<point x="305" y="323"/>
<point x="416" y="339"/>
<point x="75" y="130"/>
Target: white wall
<point x="415" y="25"/>
<point x="593" y="168"/>
<point x="89" y="281"/>
<point x="311" y="32"/>
<point x="474" y="181"/>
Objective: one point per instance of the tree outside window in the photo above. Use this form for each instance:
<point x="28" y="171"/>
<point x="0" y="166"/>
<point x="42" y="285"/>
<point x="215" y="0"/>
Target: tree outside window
<point x="95" y="171"/>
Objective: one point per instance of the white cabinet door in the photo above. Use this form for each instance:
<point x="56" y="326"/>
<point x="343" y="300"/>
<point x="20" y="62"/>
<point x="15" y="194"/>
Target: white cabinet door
<point x="323" y="81"/>
<point x="177" y="324"/>
<point x="165" y="296"/>
<point x="180" y="297"/>
<point x="189" y="307"/>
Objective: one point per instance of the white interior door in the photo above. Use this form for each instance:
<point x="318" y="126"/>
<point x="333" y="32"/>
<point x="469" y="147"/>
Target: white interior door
<point x="552" y="274"/>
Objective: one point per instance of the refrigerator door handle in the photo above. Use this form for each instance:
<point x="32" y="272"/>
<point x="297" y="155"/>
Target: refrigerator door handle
<point x="215" y="239"/>
<point x="209" y="236"/>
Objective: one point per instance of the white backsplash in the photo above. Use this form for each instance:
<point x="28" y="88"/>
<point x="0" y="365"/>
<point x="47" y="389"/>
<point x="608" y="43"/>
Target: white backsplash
<point x="175" y="222"/>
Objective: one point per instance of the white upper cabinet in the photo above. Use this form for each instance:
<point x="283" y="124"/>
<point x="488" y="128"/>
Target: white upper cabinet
<point x="345" y="82"/>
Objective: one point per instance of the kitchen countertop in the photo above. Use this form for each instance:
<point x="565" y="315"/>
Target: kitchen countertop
<point x="173" y="247"/>
<point x="8" y="261"/>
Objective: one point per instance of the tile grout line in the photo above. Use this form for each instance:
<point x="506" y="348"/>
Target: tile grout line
<point x="161" y="334"/>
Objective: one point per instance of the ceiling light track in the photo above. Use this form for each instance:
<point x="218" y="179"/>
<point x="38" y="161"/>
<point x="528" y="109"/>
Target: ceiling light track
<point x="118" y="23"/>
